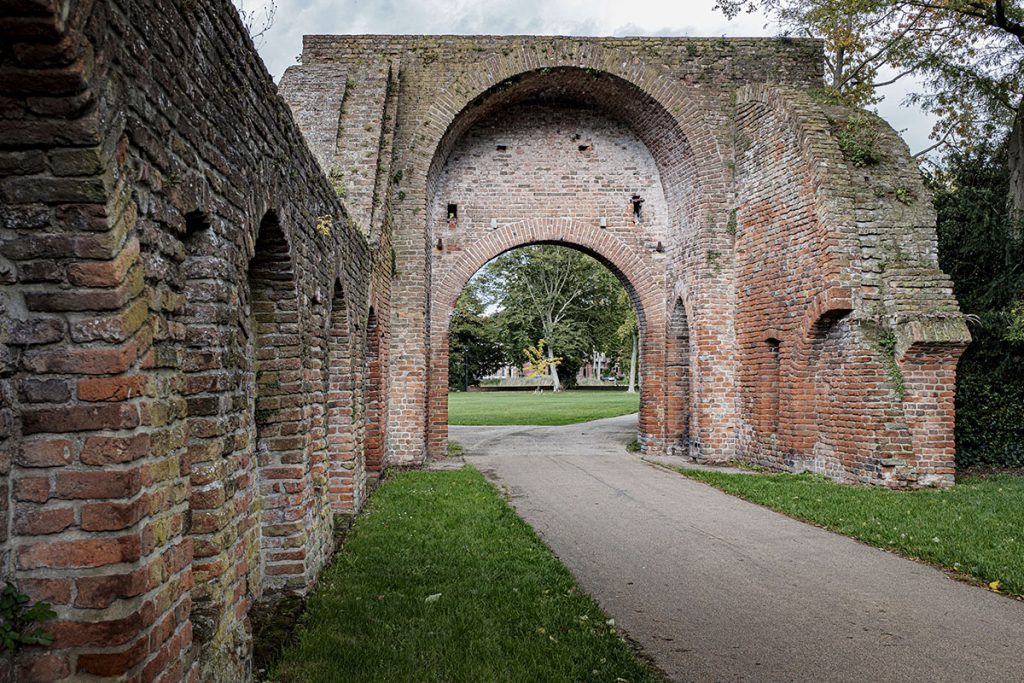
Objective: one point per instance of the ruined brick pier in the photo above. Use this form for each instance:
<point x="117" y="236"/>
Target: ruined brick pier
<point x="225" y="309"/>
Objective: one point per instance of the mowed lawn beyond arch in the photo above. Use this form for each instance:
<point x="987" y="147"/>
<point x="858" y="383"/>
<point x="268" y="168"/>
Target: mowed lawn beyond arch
<point x="547" y="408"/>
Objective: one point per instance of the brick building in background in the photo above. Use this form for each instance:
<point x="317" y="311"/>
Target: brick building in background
<point x="217" y="329"/>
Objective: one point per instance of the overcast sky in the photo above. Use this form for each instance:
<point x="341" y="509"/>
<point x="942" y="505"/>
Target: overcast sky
<point x="281" y="45"/>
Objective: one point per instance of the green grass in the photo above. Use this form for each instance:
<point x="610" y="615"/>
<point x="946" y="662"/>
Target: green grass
<point x="440" y="580"/>
<point x="975" y="529"/>
<point x="528" y="408"/>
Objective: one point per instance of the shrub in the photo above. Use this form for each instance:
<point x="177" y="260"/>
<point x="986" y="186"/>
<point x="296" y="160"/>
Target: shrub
<point x="858" y="140"/>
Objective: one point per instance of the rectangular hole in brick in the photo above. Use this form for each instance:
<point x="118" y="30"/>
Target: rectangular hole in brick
<point x="196" y="221"/>
<point x="638" y="209"/>
<point x="502" y="148"/>
<point x="453" y="213"/>
<point x="584" y="148"/>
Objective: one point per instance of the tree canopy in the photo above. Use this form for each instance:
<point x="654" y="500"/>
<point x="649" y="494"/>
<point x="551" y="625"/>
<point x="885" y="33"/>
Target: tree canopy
<point x="567" y="298"/>
<point x="981" y="248"/>
<point x="970" y="54"/>
<point x="474" y="341"/>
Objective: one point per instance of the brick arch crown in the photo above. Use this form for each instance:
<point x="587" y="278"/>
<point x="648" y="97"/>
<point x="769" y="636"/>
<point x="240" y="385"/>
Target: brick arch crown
<point x="611" y="251"/>
<point x="668" y="123"/>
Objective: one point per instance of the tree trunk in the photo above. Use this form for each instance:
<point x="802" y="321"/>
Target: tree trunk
<point x="556" y="385"/>
<point x="1016" y="165"/>
<point x="632" y="368"/>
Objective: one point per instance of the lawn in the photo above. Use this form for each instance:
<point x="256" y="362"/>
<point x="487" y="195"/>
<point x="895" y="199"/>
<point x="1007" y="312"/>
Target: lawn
<point x="975" y="529"/>
<point x="440" y="580"/>
<point x="528" y="408"/>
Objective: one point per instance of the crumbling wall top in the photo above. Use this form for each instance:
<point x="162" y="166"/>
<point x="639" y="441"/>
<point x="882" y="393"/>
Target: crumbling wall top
<point x="793" y="61"/>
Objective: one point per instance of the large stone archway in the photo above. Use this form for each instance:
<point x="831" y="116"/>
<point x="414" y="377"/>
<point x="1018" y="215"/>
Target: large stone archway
<point x="778" y="264"/>
<point x="640" y="283"/>
<point x="580" y="147"/>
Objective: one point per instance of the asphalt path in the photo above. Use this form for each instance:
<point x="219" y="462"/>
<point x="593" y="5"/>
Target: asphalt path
<point x="711" y="587"/>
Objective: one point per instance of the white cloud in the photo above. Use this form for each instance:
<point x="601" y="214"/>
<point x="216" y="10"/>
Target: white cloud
<point x="295" y="18"/>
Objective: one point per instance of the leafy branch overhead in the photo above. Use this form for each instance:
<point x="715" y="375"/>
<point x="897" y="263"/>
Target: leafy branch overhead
<point x="970" y="54"/>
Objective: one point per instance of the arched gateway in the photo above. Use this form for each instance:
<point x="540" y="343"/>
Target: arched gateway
<point x="793" y="311"/>
<point x="638" y="279"/>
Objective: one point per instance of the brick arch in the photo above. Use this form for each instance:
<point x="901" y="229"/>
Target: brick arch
<point x="692" y="162"/>
<point x="666" y="122"/>
<point x="645" y="290"/>
<point x="648" y="101"/>
<point x="276" y="386"/>
<point x="678" y="371"/>
<point x="345" y="466"/>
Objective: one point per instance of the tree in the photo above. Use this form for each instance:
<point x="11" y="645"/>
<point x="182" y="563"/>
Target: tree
<point x="557" y="294"/>
<point x="474" y="349"/>
<point x="970" y="52"/>
<point x="980" y="246"/>
<point x="628" y="334"/>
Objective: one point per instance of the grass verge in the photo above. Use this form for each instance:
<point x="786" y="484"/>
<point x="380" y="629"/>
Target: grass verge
<point x="548" y="408"/>
<point x="440" y="580"/>
<point x="975" y="529"/>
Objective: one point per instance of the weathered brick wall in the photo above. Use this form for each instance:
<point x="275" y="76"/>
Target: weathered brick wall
<point x="185" y="309"/>
<point x="675" y="95"/>
<point x="780" y="270"/>
<point x="549" y="160"/>
<point x="835" y="259"/>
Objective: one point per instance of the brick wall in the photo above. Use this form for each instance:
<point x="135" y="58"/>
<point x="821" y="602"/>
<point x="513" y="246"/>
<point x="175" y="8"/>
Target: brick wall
<point x="780" y="270"/>
<point x="834" y="260"/>
<point x="185" y="308"/>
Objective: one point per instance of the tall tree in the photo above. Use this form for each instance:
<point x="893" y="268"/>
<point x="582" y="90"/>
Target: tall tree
<point x="628" y="335"/>
<point x="970" y="53"/>
<point x="474" y="347"/>
<point x="556" y="294"/>
<point x="981" y="248"/>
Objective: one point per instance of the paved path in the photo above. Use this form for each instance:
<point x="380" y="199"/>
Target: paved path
<point x="714" y="588"/>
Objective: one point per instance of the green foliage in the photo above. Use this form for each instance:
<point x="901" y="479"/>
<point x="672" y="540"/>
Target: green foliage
<point x="563" y="296"/>
<point x="967" y="56"/>
<point x="887" y="347"/>
<point x="903" y="195"/>
<point x="19" y="620"/>
<point x="858" y="140"/>
<point x="324" y="225"/>
<point x="980" y="247"/>
<point x="474" y="347"/>
<point x="440" y="580"/>
<point x="973" y="529"/>
<point x="827" y="96"/>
